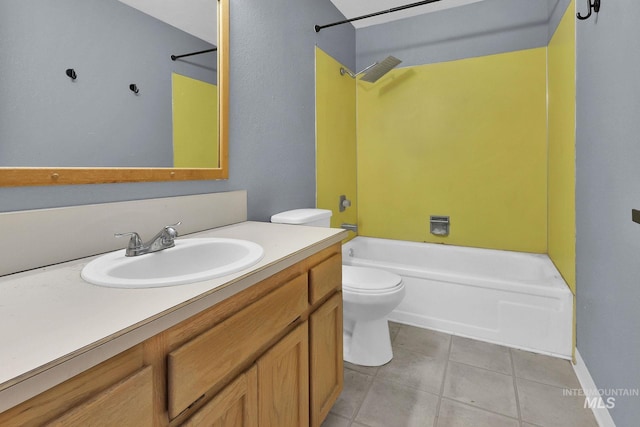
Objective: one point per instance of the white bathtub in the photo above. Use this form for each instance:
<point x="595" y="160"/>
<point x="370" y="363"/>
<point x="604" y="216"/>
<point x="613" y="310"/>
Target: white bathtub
<point x="510" y="298"/>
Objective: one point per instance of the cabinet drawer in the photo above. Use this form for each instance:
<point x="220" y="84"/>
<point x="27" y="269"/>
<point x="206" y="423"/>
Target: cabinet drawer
<point x="204" y="361"/>
<point x="325" y="278"/>
<point x="127" y="403"/>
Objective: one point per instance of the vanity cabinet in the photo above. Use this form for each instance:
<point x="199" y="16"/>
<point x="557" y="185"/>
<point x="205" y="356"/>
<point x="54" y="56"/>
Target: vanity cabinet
<point x="268" y="356"/>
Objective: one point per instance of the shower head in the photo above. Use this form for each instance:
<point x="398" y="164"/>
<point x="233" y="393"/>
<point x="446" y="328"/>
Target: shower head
<point x="374" y="71"/>
<point x="379" y="69"/>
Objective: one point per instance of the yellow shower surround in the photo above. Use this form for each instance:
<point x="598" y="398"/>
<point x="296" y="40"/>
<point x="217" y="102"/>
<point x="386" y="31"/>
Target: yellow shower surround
<point x="465" y="138"/>
<point x="468" y="139"/>
<point x="195" y="123"/>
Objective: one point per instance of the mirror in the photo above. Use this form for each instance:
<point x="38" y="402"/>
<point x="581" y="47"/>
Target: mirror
<point x="98" y="126"/>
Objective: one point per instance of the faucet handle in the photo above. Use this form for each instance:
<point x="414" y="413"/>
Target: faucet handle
<point x="135" y="242"/>
<point x="167" y="227"/>
<point x="170" y="233"/>
<point x="171" y="229"/>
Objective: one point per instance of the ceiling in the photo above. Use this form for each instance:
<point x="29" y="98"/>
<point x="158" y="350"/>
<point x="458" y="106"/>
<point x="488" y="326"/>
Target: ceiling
<point x="353" y="8"/>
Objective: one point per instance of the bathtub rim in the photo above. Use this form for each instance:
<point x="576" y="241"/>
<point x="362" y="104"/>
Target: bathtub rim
<point x="553" y="285"/>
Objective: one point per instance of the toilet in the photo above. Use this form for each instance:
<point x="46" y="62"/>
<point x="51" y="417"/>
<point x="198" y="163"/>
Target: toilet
<point x="368" y="294"/>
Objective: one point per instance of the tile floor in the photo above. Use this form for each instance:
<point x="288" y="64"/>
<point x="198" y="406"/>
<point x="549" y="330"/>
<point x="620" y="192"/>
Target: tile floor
<point x="439" y="380"/>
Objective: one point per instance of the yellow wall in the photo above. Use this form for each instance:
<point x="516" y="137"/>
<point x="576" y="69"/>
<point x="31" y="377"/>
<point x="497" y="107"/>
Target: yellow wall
<point x="562" y="145"/>
<point x="195" y="123"/>
<point x="467" y="139"/>
<point x="335" y="139"/>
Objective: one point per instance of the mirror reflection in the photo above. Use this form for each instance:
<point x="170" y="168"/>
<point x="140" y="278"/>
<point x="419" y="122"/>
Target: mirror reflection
<point x="91" y="83"/>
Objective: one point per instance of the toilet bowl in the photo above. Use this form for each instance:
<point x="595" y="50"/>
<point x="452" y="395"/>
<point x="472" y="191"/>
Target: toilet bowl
<point x="368" y="295"/>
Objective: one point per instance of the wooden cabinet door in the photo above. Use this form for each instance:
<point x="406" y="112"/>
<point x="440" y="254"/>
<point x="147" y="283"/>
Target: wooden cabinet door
<point x="235" y="406"/>
<point x="283" y="382"/>
<point x="326" y="365"/>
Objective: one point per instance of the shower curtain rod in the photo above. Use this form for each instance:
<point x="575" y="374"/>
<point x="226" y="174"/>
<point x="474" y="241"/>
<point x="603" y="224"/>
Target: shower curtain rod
<point x="174" y="57"/>
<point x="370" y="15"/>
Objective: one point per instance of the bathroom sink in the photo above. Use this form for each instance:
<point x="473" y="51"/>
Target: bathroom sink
<point x="189" y="261"/>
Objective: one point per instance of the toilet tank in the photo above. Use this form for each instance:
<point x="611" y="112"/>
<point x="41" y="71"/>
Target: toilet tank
<point x="312" y="217"/>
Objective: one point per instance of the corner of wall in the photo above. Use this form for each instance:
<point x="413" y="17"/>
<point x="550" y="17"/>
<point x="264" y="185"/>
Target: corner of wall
<point x="335" y="139"/>
<point x="561" y="88"/>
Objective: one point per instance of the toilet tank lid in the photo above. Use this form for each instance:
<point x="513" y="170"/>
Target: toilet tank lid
<point x="301" y="216"/>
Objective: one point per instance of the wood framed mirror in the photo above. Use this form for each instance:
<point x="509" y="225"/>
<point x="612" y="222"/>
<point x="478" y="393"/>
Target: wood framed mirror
<point x="12" y="175"/>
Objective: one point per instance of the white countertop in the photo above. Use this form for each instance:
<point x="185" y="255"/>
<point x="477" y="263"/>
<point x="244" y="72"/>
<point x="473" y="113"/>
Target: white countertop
<point x="55" y="325"/>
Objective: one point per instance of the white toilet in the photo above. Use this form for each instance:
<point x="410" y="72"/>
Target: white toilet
<point x="368" y="295"/>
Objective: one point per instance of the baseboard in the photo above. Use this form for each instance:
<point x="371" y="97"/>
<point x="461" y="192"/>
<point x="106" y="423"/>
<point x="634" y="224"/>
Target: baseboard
<point x="588" y="385"/>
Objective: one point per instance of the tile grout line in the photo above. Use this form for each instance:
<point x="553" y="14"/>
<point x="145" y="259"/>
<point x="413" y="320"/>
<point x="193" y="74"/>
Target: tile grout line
<point x="483" y="368"/>
<point x="353" y="417"/>
<point x="444" y="376"/>
<point x="482" y="409"/>
<point x="561" y="387"/>
<point x="366" y="393"/>
<point x="515" y="386"/>
<point x="408" y="387"/>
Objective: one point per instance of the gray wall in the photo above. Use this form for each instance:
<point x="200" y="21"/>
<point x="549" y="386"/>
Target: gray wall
<point x="272" y="114"/>
<point x="273" y="97"/>
<point x="607" y="188"/>
<point x="477" y="29"/>
<point x="46" y="119"/>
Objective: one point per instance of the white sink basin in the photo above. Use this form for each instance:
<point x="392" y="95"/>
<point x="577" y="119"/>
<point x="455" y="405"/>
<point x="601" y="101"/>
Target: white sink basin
<point x="191" y="260"/>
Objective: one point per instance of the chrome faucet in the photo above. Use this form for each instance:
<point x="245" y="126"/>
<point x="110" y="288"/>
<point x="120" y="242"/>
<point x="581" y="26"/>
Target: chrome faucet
<point x="163" y="240"/>
<point x="350" y="227"/>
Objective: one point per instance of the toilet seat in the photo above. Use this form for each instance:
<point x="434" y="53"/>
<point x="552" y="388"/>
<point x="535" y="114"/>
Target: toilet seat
<point x="365" y="280"/>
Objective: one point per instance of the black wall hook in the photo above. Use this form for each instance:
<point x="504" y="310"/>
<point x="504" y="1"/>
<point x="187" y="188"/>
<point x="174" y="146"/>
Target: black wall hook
<point x="134" y="88"/>
<point x="71" y="73"/>
<point x="592" y="6"/>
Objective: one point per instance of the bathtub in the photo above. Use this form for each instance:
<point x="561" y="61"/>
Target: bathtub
<point x="509" y="298"/>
